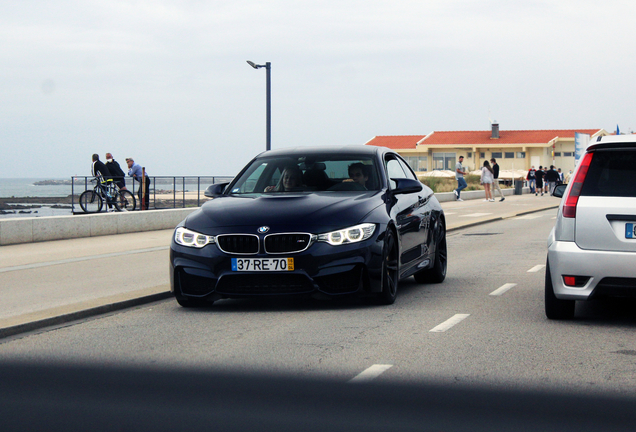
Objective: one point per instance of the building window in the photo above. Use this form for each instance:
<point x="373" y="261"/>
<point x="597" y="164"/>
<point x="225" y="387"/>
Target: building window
<point x="567" y="154"/>
<point x="482" y="155"/>
<point x="417" y="163"/>
<point x="444" y="161"/>
<point x="496" y="155"/>
<point x="557" y="154"/>
<point x="509" y="155"/>
<point x="521" y="155"/>
<point x="469" y="155"/>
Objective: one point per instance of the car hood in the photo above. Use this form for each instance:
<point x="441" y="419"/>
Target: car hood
<point x="307" y="212"/>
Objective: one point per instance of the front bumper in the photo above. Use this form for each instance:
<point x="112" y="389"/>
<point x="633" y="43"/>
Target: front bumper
<point x="322" y="268"/>
<point x="611" y="274"/>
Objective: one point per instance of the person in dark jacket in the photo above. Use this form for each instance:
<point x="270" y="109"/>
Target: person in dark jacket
<point x="99" y="169"/>
<point x="495" y="183"/>
<point x="539" y="177"/>
<point x="551" y="177"/>
<point x="116" y="172"/>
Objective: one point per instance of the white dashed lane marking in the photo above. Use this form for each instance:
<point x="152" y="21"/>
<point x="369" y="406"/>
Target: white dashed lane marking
<point x="536" y="268"/>
<point x="530" y="216"/>
<point x="370" y="373"/>
<point x="502" y="289"/>
<point x="456" y="319"/>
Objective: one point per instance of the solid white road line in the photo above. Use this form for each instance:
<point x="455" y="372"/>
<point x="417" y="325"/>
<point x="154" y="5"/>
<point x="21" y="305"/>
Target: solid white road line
<point x="475" y="214"/>
<point x="74" y="260"/>
<point x="370" y="373"/>
<point x="528" y="217"/>
<point x="535" y="268"/>
<point x="449" y="323"/>
<point x="502" y="289"/>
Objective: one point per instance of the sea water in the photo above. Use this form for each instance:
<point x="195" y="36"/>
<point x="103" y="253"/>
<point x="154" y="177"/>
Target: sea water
<point x="25" y="187"/>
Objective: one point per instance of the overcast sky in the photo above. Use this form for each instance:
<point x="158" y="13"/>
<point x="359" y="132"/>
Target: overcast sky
<point x="167" y="82"/>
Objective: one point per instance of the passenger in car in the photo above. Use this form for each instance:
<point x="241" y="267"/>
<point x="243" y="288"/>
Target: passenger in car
<point x="291" y="179"/>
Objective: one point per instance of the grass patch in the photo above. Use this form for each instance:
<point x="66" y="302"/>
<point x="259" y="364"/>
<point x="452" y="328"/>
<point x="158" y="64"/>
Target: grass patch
<point x="440" y="184"/>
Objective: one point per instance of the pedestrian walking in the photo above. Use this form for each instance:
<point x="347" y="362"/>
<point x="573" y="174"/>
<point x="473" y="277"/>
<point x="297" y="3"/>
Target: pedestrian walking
<point x="539" y="174"/>
<point x="561" y="177"/>
<point x="459" y="176"/>
<point x="486" y="180"/>
<point x="551" y="178"/>
<point x="495" y="181"/>
<point x="532" y="180"/>
<point x="139" y="174"/>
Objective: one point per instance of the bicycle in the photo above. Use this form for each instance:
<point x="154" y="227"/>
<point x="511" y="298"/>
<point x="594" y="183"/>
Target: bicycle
<point x="92" y="200"/>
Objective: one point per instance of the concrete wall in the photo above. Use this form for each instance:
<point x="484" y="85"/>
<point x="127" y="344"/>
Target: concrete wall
<point x="37" y="229"/>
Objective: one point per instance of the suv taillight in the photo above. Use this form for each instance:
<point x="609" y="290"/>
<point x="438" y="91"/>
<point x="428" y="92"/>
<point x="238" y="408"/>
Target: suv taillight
<point x="569" y="208"/>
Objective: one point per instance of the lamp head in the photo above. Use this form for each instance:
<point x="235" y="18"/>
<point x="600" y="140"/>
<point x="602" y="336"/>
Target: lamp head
<point x="254" y="65"/>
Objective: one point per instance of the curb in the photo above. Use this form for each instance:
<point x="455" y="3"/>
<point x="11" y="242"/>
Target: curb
<point x="497" y="218"/>
<point x="86" y="313"/>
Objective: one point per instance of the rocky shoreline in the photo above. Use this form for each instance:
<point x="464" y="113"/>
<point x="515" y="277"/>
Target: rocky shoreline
<point x="37" y="200"/>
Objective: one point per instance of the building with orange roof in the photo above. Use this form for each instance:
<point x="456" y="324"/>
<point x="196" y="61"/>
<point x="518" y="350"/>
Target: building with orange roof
<point x="515" y="149"/>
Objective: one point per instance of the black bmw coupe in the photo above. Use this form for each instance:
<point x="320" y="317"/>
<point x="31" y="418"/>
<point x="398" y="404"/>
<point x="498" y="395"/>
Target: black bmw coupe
<point x="329" y="221"/>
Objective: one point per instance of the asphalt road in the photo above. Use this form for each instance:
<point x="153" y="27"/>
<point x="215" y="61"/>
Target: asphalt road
<point x="484" y="325"/>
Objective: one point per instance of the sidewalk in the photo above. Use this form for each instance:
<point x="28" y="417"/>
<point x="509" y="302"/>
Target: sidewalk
<point x="51" y="283"/>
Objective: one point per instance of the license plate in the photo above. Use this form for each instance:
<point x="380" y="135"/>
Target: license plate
<point x="629" y="230"/>
<point x="262" y="264"/>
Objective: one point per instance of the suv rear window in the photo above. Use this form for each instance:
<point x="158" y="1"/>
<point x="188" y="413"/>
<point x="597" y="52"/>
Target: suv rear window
<point x="611" y="173"/>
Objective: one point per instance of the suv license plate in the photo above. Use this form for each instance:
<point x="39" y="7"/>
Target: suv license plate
<point x="262" y="264"/>
<point x="629" y="230"/>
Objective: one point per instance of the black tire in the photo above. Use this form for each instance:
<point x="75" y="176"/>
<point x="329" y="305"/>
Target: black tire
<point x="125" y="200"/>
<point x="390" y="270"/>
<point x="91" y="202"/>
<point x="437" y="273"/>
<point x="555" y="308"/>
<point x="193" y="302"/>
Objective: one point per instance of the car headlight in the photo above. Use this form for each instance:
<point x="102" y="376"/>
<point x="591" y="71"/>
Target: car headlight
<point x="186" y="237"/>
<point x="349" y="235"/>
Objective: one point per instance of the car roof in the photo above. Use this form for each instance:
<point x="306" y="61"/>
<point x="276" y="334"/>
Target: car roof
<point x="613" y="141"/>
<point x="315" y="150"/>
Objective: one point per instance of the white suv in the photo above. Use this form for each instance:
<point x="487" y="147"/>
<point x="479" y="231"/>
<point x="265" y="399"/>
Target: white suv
<point x="592" y="248"/>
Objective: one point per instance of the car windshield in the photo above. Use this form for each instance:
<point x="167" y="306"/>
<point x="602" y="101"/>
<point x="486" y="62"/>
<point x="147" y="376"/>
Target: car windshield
<point x="308" y="173"/>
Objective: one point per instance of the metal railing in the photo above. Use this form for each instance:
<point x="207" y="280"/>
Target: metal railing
<point x="177" y="193"/>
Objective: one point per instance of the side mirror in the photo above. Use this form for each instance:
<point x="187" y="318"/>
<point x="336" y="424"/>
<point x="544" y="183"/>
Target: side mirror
<point x="215" y="190"/>
<point x="405" y="186"/>
<point x="559" y="191"/>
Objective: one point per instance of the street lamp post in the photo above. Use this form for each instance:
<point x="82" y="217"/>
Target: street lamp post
<point x="268" y="67"/>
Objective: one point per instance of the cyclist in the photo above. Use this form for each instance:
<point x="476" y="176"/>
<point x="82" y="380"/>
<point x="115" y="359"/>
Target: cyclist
<point x="100" y="170"/>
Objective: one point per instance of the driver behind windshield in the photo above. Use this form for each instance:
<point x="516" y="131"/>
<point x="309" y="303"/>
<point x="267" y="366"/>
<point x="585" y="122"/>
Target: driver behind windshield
<point x="290" y="180"/>
<point x="358" y="174"/>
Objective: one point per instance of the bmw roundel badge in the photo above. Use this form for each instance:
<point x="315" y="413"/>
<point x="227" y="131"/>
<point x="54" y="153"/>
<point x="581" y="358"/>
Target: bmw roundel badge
<point x="263" y="229"/>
